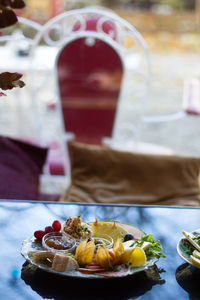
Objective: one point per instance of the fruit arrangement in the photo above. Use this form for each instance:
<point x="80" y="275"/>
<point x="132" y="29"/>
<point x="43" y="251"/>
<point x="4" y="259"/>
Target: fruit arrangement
<point x="55" y="227"/>
<point x="102" y="247"/>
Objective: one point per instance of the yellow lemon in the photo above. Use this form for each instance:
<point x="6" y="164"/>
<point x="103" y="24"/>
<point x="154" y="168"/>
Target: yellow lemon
<point x="195" y="261"/>
<point x="111" y="229"/>
<point x="125" y="258"/>
<point x="137" y="257"/>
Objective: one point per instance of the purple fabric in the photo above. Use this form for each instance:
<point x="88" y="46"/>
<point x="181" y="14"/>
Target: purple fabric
<point x="21" y="164"/>
<point x="49" y="197"/>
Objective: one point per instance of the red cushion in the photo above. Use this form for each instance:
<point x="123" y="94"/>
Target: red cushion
<point x="21" y="164"/>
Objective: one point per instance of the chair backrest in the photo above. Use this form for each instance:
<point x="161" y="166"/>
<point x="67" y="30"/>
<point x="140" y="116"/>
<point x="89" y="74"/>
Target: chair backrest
<point x="97" y="52"/>
<point x="89" y="73"/>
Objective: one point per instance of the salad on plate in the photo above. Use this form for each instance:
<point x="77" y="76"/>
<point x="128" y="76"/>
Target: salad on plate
<point x="102" y="249"/>
<point x="189" y="247"/>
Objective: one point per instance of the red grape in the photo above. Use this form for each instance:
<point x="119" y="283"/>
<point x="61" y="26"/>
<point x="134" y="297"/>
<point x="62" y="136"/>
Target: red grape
<point x="39" y="234"/>
<point x="56" y="225"/>
<point x="49" y="229"/>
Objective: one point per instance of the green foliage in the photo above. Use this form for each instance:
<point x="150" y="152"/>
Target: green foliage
<point x="155" y="250"/>
<point x="175" y="4"/>
<point x="147" y="4"/>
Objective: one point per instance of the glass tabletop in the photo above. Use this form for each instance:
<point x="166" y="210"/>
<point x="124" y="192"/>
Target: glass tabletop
<point x="19" y="280"/>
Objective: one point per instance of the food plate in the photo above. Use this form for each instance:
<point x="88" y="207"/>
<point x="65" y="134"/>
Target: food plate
<point x="31" y="244"/>
<point x="183" y="250"/>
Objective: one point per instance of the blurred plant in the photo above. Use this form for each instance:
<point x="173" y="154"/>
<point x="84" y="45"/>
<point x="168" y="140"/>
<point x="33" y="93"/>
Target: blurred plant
<point x="147" y="4"/>
<point x="7" y="18"/>
<point x="111" y="3"/>
<point x="175" y="4"/>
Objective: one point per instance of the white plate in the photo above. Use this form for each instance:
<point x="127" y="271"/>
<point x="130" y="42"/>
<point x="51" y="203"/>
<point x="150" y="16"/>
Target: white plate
<point x="181" y="249"/>
<point x="31" y="244"/>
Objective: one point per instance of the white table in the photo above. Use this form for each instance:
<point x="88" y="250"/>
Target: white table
<point x="42" y="60"/>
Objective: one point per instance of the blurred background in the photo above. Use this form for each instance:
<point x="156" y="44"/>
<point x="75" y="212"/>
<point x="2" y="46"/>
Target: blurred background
<point x="171" y="29"/>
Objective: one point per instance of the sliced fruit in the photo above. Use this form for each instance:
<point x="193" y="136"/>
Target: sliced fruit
<point x="195" y="261"/>
<point x="128" y="248"/>
<point x="85" y="252"/>
<point x="112" y="229"/>
<point x="138" y="257"/>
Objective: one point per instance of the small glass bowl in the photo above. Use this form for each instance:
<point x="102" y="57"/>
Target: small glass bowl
<point x="58" y="242"/>
<point x="104" y="239"/>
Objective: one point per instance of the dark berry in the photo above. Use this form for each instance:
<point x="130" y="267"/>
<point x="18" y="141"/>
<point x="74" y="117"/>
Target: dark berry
<point x="56" y="225"/>
<point x="128" y="237"/>
<point x="49" y="229"/>
<point x="39" y="234"/>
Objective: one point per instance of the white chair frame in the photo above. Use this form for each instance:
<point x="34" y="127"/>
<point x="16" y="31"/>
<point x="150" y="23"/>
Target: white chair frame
<point x="63" y="25"/>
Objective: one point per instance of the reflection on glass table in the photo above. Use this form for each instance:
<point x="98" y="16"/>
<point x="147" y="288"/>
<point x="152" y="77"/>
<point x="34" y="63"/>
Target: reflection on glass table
<point x="48" y="285"/>
<point x="188" y="278"/>
<point x="19" y="280"/>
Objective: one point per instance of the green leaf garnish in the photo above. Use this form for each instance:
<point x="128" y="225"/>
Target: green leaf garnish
<point x="83" y="229"/>
<point x="155" y="250"/>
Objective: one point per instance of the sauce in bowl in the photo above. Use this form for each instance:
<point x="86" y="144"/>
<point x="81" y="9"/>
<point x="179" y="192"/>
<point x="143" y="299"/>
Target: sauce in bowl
<point x="57" y="241"/>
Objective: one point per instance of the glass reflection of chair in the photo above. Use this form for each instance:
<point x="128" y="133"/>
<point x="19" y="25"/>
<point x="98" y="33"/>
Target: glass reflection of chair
<point x="102" y="64"/>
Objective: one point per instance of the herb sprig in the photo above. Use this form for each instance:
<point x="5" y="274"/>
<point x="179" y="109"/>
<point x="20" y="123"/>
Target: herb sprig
<point x="196" y="238"/>
<point x="187" y="246"/>
<point x="155" y="250"/>
<point x="83" y="229"/>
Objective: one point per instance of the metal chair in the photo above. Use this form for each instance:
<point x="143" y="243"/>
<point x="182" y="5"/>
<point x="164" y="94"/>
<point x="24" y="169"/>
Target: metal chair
<point x="92" y="99"/>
